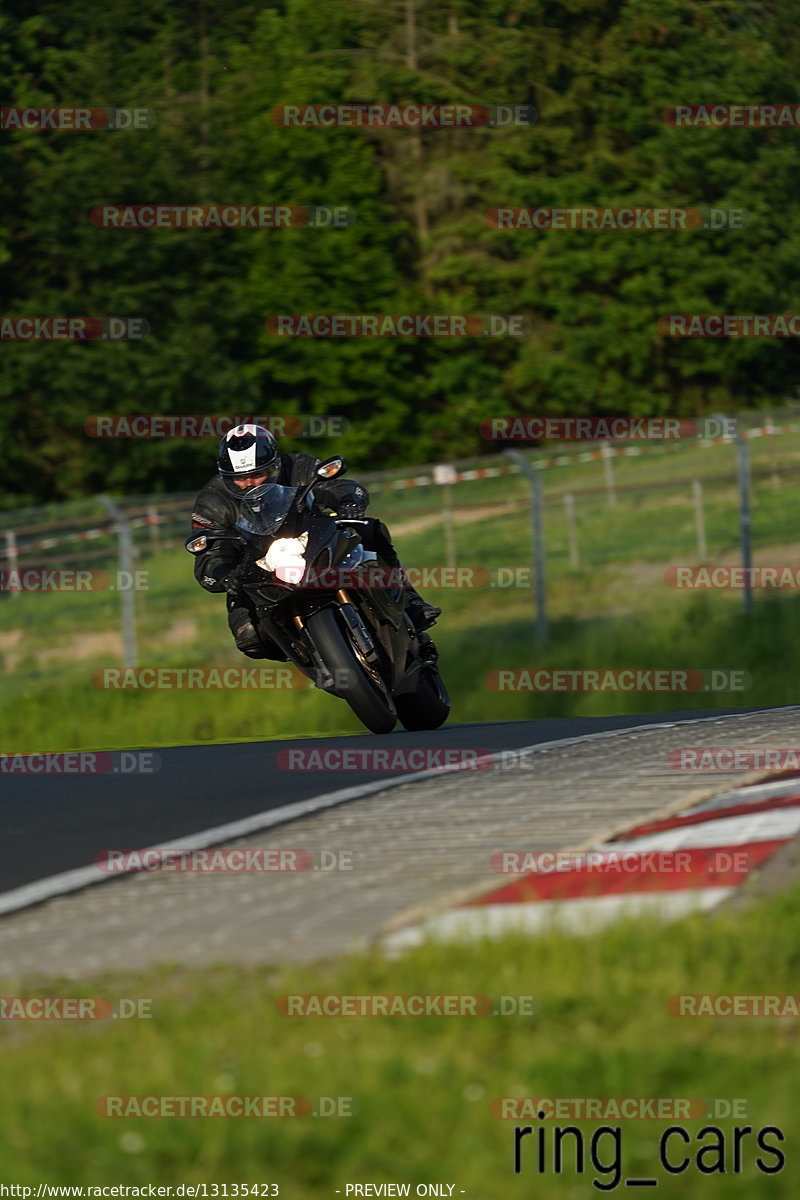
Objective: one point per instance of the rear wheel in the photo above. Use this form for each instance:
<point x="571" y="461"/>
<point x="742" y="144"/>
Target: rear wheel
<point x="426" y="708"/>
<point x="369" y="699"/>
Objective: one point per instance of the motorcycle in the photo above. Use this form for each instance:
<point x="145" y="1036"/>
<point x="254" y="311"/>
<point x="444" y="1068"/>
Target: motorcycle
<point x="313" y="584"/>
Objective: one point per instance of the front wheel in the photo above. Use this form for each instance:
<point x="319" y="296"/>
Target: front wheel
<point x="372" y="704"/>
<point x="426" y="708"/>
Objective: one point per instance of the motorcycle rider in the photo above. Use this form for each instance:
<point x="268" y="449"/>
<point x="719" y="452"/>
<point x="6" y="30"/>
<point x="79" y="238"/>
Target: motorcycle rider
<point x="248" y="456"/>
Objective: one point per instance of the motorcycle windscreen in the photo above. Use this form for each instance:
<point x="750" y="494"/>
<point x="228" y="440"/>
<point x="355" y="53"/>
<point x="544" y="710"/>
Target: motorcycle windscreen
<point x="266" y="507"/>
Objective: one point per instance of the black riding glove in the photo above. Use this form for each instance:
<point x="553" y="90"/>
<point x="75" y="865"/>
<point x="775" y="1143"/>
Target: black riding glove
<point x="350" y="510"/>
<point x="232" y="582"/>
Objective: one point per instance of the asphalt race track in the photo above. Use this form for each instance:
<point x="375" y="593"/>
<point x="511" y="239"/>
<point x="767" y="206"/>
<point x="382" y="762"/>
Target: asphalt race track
<point x="55" y="823"/>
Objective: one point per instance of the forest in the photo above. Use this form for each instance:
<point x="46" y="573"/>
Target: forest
<point x="577" y="104"/>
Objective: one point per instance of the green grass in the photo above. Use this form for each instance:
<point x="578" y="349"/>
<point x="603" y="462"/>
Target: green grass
<point x="423" y="1086"/>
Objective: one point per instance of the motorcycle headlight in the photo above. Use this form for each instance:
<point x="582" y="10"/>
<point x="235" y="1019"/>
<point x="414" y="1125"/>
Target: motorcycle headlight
<point x="285" y="558"/>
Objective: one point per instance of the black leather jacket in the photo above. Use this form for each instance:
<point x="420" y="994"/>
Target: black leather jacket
<point x="216" y="508"/>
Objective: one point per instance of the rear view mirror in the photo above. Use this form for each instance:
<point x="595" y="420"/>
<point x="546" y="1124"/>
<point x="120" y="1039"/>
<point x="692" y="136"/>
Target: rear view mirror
<point x="329" y="468"/>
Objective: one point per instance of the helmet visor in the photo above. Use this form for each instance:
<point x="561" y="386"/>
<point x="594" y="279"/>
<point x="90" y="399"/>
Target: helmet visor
<point x="239" y="482"/>
<point x="265" y="508"/>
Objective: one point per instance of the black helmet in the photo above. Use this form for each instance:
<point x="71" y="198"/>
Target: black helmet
<point x="248" y="452"/>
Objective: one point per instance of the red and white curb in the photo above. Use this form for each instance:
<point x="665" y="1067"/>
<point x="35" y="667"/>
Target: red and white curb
<point x="684" y="863"/>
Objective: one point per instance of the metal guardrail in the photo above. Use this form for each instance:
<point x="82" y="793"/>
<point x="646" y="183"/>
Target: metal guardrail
<point x="162" y="518"/>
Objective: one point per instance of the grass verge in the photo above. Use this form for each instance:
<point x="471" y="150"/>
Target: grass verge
<point x="423" y="1086"/>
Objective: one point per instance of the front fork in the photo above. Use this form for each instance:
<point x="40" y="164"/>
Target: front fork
<point x="324" y="679"/>
<point x="358" y="630"/>
<point x="359" y="636"/>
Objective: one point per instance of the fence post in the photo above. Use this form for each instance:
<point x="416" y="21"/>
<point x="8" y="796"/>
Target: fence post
<point x="771" y="431"/>
<point x="700" y="519"/>
<point x="152" y="523"/>
<point x="608" y="471"/>
<point x="745" y="519"/>
<point x="127" y="596"/>
<point x="538" y="542"/>
<point x="572" y="532"/>
<point x="445" y="475"/>
<point x="12" y="555"/>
